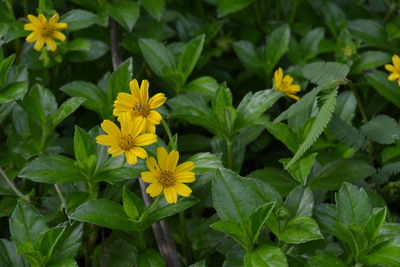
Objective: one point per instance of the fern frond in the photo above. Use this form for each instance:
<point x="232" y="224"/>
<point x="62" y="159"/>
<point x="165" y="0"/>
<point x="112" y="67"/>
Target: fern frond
<point x="382" y="129"/>
<point x="388" y="170"/>
<point x="347" y="134"/>
<point x="325" y="72"/>
<point x="321" y="121"/>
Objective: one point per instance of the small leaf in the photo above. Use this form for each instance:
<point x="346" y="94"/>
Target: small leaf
<point x="277" y="45"/>
<point x="375" y="223"/>
<point x="149" y="258"/>
<point x="205" y="85"/>
<point x="235" y="231"/>
<point x="5" y="66"/>
<point x="226" y="7"/>
<point x="164" y="209"/>
<point x="301" y="169"/>
<point x="78" y="19"/>
<point x="258" y="218"/>
<point x="386" y="253"/>
<point x="133" y="206"/>
<point x="84" y="145"/>
<point x="370" y="60"/>
<point x="9" y="256"/>
<point x="300" y="230"/>
<point x="154" y="7"/>
<point x="300" y="202"/>
<point x="66" y="109"/>
<point x="388" y="89"/>
<point x="13" y="91"/>
<point x="265" y="256"/>
<point x="119" y="80"/>
<point x="124" y="12"/>
<point x="190" y="54"/>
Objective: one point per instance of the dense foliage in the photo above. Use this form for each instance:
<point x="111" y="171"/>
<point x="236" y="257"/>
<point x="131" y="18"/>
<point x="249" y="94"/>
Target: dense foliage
<point x="199" y="133"/>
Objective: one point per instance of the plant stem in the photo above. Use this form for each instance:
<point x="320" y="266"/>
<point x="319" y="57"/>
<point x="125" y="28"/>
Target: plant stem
<point x="63" y="205"/>
<point x="170" y="137"/>
<point x="13" y="187"/>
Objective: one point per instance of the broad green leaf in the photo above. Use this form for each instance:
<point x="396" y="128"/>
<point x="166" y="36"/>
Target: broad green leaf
<point x="326" y="260"/>
<point x="66" y="109"/>
<point x="84" y="145"/>
<point x="68" y="243"/>
<point x="382" y="129"/>
<point x="154" y="7"/>
<point x="40" y="103"/>
<point x="353" y="206"/>
<point x="13" y="91"/>
<point x="386" y="253"/>
<point x="205" y="85"/>
<point x="388" y="89"/>
<point x="280" y="180"/>
<point x="116" y="251"/>
<point x="265" y="256"/>
<point x="105" y="213"/>
<point x="370" y="31"/>
<point x="95" y="97"/>
<point x="116" y="174"/>
<point x="190" y="54"/>
<point x="159" y="58"/>
<point x="300" y="230"/>
<point x="300" y="202"/>
<point x="226" y="7"/>
<point x="78" y="19"/>
<point x="277" y="45"/>
<point x="235" y="198"/>
<point x="375" y="222"/>
<point x="163" y="209"/>
<point x="125" y="12"/>
<point x="302" y="168"/>
<point x="67" y="262"/>
<point x="9" y="256"/>
<point x="253" y="105"/>
<point x="370" y="60"/>
<point x="332" y="175"/>
<point x="235" y="231"/>
<point x="249" y="57"/>
<point x="132" y="204"/>
<point x="258" y="219"/>
<point x="285" y="134"/>
<point x="334" y="17"/>
<point x="310" y="43"/>
<point x="52" y="169"/>
<point x="119" y="80"/>
<point x="26" y="224"/>
<point x="47" y="241"/>
<point x="149" y="258"/>
<point x="94" y="49"/>
<point x="206" y="162"/>
<point x="5" y="66"/>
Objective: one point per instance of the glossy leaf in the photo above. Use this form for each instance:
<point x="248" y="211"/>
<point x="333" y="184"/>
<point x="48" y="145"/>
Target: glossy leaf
<point x="264" y="256"/>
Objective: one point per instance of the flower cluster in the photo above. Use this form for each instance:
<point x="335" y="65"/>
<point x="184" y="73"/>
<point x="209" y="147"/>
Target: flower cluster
<point x="138" y="120"/>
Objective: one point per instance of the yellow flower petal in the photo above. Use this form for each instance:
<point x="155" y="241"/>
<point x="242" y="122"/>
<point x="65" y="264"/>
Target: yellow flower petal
<point x="172" y="161"/>
<point x="130" y="157"/>
<point x="154" y="117"/>
<point x="144" y="91"/>
<point x="393" y="77"/>
<point x="182" y="189"/>
<point x="170" y="195"/>
<point x="110" y="128"/>
<point x="185" y="177"/>
<point x="59" y="36"/>
<point x="29" y="27"/>
<point x="154" y="189"/>
<point x="390" y="68"/>
<point x="148" y="177"/>
<point x="60" y="26"/>
<point x="32" y="37"/>
<point x="145" y="139"/>
<point x="396" y="61"/>
<point x="54" y="19"/>
<point x="115" y="151"/>
<point x="139" y="152"/>
<point x="162" y="157"/>
<point x="152" y="165"/>
<point x="185" y="167"/>
<point x="51" y="44"/>
<point x="39" y="44"/>
<point x="150" y="128"/>
<point x="157" y="100"/>
<point x="33" y="19"/>
<point x="107" y="140"/>
<point x="134" y="87"/>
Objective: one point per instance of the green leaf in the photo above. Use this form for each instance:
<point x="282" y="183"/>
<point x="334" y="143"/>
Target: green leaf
<point x="265" y="256"/>
<point x="115" y="174"/>
<point x="157" y="55"/>
<point x="393" y="29"/>
<point x="382" y="129"/>
<point x="375" y="223"/>
<point x="132" y="204"/>
<point x="5" y="66"/>
<point x="326" y="260"/>
<point x="247" y="54"/>
<point x="164" y="209"/>
<point x="389" y="90"/>
<point x="78" y="19"/>
<point x="370" y="60"/>
<point x="47" y="241"/>
<point x="285" y="134"/>
<point x="321" y="121"/>
<point x="105" y="213"/>
<point x="335" y="18"/>
<point x="235" y="198"/>
<point x="386" y="253"/>
<point x="324" y="72"/>
<point x="280" y="180"/>
<point x="226" y="7"/>
<point x="13" y="91"/>
<point x="190" y="54"/>
<point x="154" y="7"/>
<point x="277" y="45"/>
<point x="68" y="243"/>
<point x="353" y="206"/>
<point x="369" y="31"/>
<point x="66" y="109"/>
<point x="310" y="43"/>
<point x="235" y="231"/>
<point x="332" y="175"/>
<point x="64" y="263"/>
<point x="206" y="162"/>
<point x="257" y="220"/>
<point x="84" y="145"/>
<point x="26" y="224"/>
<point x="347" y="134"/>
<point x="301" y="169"/>
<point x="300" y="230"/>
<point x="119" y="80"/>
<point x="40" y="103"/>
<point x="93" y="49"/>
<point x="201" y="263"/>
<point x="124" y="12"/>
<point x="52" y="169"/>
<point x="95" y="97"/>
<point x="253" y="105"/>
<point x="300" y="202"/>
<point x="149" y="258"/>
<point x="9" y="256"/>
<point x="205" y="85"/>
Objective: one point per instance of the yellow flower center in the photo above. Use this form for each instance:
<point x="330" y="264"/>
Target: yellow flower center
<point x="166" y="178"/>
<point x="140" y="110"/>
<point x="127" y="142"/>
<point x="47" y="31"/>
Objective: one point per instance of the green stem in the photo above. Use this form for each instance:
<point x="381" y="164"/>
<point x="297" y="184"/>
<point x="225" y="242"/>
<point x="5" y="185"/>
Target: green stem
<point x="63" y="205"/>
<point x="13" y="187"/>
<point x="170" y="137"/>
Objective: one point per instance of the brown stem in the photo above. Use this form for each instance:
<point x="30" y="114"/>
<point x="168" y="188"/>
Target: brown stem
<point x="163" y="237"/>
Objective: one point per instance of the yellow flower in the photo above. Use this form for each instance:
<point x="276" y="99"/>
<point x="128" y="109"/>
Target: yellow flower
<point x="166" y="176"/>
<point x="394" y="69"/>
<point x="284" y="84"/>
<point x="137" y="104"/>
<point x="128" y="140"/>
<point x="45" y="31"/>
